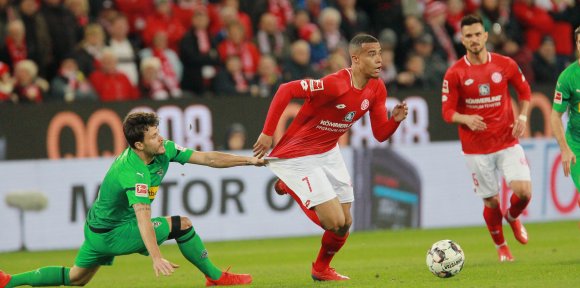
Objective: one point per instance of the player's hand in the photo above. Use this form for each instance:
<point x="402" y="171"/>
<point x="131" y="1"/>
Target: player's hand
<point x="400" y="112"/>
<point x="163" y="267"/>
<point x="474" y="122"/>
<point x="262" y="145"/>
<point x="519" y="128"/>
<point x="258" y="161"/>
<point x="568" y="159"/>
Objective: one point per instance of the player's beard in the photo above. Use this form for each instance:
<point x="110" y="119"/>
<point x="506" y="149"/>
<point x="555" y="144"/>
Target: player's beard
<point x="475" y="50"/>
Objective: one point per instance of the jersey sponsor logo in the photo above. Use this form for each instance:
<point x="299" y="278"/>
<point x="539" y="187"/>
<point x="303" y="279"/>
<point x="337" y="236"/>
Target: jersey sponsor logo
<point x="304" y="85"/>
<point x="153" y="192"/>
<point x="496" y="77"/>
<point x="349" y="116"/>
<point x="316" y="85"/>
<point x="340" y="106"/>
<point x="558" y="97"/>
<point x="445" y="87"/>
<point x="364" y="105"/>
<point x="141" y="190"/>
<point x="444" y="98"/>
<point x="468" y="82"/>
<point x="180" y="148"/>
<point x="484" y="89"/>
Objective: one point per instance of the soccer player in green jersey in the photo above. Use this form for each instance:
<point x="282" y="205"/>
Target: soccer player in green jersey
<point x="120" y="223"/>
<point x="567" y="94"/>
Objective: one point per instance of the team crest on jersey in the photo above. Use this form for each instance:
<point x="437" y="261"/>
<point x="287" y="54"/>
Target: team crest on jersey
<point x="364" y="105"/>
<point x="349" y="116"/>
<point x="141" y="190"/>
<point x="484" y="89"/>
<point x="445" y="87"/>
<point x="180" y="148"/>
<point x="160" y="172"/>
<point x="558" y="97"/>
<point x="316" y="85"/>
<point x="156" y="224"/>
<point x="496" y="77"/>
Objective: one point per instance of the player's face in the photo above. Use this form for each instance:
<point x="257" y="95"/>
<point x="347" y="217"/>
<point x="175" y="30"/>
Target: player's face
<point x="153" y="142"/>
<point x="473" y="38"/>
<point x="370" y="59"/>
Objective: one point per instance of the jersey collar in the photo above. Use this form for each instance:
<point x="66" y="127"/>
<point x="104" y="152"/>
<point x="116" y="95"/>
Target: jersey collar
<point x="469" y="63"/>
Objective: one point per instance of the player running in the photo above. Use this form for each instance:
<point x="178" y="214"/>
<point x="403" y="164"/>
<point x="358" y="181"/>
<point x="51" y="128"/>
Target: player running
<point x="120" y="223"/>
<point x="307" y="158"/>
<point x="475" y="96"/>
<point x="567" y="94"/>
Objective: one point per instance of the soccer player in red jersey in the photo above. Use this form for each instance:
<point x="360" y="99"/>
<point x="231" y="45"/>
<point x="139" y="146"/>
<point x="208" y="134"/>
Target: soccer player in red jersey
<point x="475" y="96"/>
<point x="307" y="158"/>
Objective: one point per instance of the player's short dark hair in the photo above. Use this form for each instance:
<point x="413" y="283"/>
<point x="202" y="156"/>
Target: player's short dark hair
<point x="136" y="124"/>
<point x="577" y="33"/>
<point x="471" y="19"/>
<point x="357" y="41"/>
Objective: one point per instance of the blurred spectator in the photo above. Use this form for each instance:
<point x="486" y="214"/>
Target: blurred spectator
<point x="6" y="83"/>
<point x="109" y="83"/>
<point x="414" y="73"/>
<point x="70" y="84"/>
<point x="163" y="20"/>
<point x="38" y="41"/>
<point x="88" y="53"/>
<point x="435" y="66"/>
<point x="28" y="87"/>
<point x="171" y="67"/>
<point x="231" y="81"/>
<point x="270" y="39"/>
<point x="300" y="19"/>
<point x="153" y="85"/>
<point x="522" y="55"/>
<point x="545" y="63"/>
<point x="229" y="12"/>
<point x="336" y="62"/>
<point x="235" y="137"/>
<point x="282" y="11"/>
<point x="436" y="18"/>
<point x="499" y="22"/>
<point x="268" y="78"/>
<point x="354" y="20"/>
<point x="183" y="10"/>
<point x="388" y="70"/>
<point x="62" y="27"/>
<point x="388" y="39"/>
<point x="385" y="14"/>
<point x="125" y="51"/>
<point x="80" y="9"/>
<point x="235" y="44"/>
<point x="106" y="15"/>
<point x="455" y="12"/>
<point x="198" y="55"/>
<point x="414" y="28"/>
<point x="298" y="66"/>
<point x="15" y="44"/>
<point x="329" y="22"/>
<point x="6" y="14"/>
<point x="318" y="51"/>
<point x="137" y="12"/>
<point x="313" y="7"/>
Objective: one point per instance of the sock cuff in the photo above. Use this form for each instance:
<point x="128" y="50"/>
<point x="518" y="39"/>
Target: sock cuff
<point x="186" y="236"/>
<point x="66" y="276"/>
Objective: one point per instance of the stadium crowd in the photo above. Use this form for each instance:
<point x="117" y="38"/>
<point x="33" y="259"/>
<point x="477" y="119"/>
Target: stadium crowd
<point x="104" y="50"/>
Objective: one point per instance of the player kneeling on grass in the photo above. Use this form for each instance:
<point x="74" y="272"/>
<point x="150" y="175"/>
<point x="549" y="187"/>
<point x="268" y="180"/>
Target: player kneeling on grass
<point x="120" y="223"/>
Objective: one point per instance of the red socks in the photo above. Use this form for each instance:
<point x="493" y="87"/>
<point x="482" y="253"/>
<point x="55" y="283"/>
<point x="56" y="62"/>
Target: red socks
<point x="517" y="206"/>
<point x="493" y="219"/>
<point x="331" y="244"/>
<point x="309" y="213"/>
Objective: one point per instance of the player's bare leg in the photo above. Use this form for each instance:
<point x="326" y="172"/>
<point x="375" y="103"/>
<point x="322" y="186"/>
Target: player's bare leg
<point x="336" y="219"/>
<point x="518" y="202"/>
<point x="493" y="219"/>
<point x="282" y="189"/>
<point x="81" y="276"/>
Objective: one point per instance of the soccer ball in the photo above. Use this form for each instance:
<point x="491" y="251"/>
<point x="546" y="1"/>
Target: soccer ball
<point x="445" y="259"/>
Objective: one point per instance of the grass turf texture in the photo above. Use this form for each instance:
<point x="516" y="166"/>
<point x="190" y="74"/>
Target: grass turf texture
<point x="371" y="259"/>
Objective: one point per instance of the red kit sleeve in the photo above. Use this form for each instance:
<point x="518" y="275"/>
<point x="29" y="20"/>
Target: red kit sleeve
<point x="517" y="79"/>
<point x="383" y="127"/>
<point x="449" y="96"/>
<point x="285" y="93"/>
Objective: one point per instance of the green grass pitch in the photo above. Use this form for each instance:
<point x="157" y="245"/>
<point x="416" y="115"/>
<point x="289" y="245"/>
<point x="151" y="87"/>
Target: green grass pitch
<point x="371" y="259"/>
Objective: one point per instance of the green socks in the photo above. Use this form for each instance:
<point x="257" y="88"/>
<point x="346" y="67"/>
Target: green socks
<point x="46" y="276"/>
<point x="193" y="249"/>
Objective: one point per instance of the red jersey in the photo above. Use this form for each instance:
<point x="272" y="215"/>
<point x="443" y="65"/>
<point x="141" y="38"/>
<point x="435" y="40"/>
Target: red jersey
<point x="483" y="90"/>
<point x="332" y="105"/>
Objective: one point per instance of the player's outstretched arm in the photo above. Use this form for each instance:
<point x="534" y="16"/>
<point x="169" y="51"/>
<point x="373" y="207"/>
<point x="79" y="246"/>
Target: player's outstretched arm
<point x="568" y="157"/>
<point x="160" y="265"/>
<point x="400" y="112"/>
<point x="223" y="160"/>
<point x="262" y="145"/>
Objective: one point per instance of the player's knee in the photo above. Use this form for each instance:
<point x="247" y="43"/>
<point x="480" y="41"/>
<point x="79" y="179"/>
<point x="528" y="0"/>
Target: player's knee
<point x="185" y="223"/>
<point x="335" y="225"/>
<point x="180" y="226"/>
<point x="79" y="281"/>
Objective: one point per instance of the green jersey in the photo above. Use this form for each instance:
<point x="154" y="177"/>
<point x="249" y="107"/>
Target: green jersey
<point x="568" y="94"/>
<point x="130" y="181"/>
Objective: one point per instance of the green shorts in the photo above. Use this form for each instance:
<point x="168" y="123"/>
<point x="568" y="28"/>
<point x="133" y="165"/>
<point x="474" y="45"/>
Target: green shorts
<point x="101" y="248"/>
<point x="574" y="168"/>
